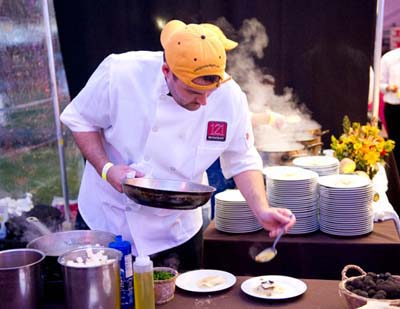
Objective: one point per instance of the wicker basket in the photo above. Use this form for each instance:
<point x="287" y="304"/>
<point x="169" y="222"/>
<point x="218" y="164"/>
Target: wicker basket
<point x="355" y="301"/>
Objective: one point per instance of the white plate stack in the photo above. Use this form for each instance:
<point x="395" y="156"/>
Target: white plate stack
<point x="296" y="189"/>
<point x="346" y="205"/>
<point x="322" y="165"/>
<point x="233" y="215"/>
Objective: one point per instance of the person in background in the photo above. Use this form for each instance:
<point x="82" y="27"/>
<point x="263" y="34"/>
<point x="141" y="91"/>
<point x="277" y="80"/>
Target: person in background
<point x="166" y="115"/>
<point x="381" y="107"/>
<point x="389" y="85"/>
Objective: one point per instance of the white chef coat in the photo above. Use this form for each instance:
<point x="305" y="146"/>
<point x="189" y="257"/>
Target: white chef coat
<point x="390" y="75"/>
<point x="127" y="99"/>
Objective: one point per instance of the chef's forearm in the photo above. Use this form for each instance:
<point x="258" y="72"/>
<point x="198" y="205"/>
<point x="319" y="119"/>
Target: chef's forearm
<point x="251" y="185"/>
<point x="91" y="146"/>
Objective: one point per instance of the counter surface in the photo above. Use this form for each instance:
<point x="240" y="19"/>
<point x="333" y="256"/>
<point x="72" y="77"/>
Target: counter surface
<point x="320" y="294"/>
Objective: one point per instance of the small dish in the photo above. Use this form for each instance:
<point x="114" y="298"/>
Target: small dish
<point x="190" y="281"/>
<point x="289" y="287"/>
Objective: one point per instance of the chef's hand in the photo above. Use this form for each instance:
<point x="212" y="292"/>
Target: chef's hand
<point x="273" y="119"/>
<point x="117" y="173"/>
<point x="274" y="219"/>
<point x="277" y="120"/>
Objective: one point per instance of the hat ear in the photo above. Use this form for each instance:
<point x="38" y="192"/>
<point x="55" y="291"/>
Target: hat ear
<point x="228" y="44"/>
<point x="169" y="29"/>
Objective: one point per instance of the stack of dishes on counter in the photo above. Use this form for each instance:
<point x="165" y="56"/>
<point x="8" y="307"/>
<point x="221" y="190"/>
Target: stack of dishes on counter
<point x="322" y="165"/>
<point x="296" y="189"/>
<point x="233" y="215"/>
<point x="346" y="205"/>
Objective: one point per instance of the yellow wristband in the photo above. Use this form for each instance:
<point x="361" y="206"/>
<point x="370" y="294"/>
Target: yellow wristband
<point x="105" y="169"/>
<point x="271" y="119"/>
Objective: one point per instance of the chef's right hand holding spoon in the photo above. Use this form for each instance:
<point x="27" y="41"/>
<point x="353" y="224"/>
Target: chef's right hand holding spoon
<point x="268" y="254"/>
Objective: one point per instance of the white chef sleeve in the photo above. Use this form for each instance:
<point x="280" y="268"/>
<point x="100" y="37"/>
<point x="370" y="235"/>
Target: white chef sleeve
<point x="241" y="154"/>
<point x="384" y="82"/>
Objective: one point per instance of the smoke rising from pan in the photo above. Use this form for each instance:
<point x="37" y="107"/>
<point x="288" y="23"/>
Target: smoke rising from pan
<point x="259" y="86"/>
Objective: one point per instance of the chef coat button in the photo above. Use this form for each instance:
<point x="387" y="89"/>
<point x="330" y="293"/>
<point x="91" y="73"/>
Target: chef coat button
<point x="155" y="129"/>
<point x="172" y="169"/>
<point x="147" y="158"/>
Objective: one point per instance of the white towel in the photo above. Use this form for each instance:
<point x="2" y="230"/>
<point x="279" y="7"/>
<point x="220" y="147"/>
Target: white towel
<point x="382" y="208"/>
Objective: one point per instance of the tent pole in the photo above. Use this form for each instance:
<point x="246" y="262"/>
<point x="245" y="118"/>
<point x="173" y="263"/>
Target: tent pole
<point x="377" y="56"/>
<point x="56" y="109"/>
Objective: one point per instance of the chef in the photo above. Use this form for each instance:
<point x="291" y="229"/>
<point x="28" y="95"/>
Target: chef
<point x="166" y="115"/>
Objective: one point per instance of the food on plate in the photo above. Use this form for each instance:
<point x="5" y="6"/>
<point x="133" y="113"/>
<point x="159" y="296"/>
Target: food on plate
<point x="92" y="259"/>
<point x="378" y="286"/>
<point x="210" y="281"/>
<point x="268" y="288"/>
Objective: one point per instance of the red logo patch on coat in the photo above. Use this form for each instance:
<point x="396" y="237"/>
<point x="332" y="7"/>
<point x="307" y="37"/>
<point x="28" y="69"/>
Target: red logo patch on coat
<point x="216" y="131"/>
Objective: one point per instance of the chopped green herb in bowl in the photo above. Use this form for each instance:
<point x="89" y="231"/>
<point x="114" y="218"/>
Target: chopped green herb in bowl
<point x="162" y="275"/>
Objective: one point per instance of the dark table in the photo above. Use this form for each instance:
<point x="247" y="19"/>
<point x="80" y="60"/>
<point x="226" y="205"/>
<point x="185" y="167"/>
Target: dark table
<point x="320" y="294"/>
<point x="314" y="256"/>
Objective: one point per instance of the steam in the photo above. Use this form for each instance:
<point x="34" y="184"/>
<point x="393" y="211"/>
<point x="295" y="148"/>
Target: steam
<point x="259" y="86"/>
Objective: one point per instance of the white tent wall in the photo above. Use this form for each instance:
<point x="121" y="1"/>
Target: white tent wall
<point x="33" y="89"/>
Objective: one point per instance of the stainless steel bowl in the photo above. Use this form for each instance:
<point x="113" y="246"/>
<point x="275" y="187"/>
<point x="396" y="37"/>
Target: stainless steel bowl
<point x="170" y="194"/>
<point x="20" y="278"/>
<point x="58" y="243"/>
<point x="96" y="286"/>
<point x="281" y="154"/>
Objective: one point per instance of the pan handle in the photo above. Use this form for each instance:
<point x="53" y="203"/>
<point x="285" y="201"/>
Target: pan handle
<point x="292" y="157"/>
<point x="288" y="157"/>
<point x="308" y="147"/>
<point x="322" y="133"/>
<point x="39" y="225"/>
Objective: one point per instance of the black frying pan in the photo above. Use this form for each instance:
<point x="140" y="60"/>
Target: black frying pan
<point x="169" y="194"/>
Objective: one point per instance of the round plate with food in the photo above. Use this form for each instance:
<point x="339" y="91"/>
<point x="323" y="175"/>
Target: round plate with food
<point x="205" y="280"/>
<point x="273" y="287"/>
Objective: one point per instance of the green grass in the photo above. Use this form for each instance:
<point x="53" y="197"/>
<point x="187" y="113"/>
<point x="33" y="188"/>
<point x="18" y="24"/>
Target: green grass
<point x="38" y="172"/>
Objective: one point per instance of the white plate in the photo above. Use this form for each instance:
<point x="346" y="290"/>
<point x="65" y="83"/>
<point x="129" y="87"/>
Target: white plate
<point x="315" y="161"/>
<point x="289" y="173"/>
<point x="292" y="287"/>
<point x="344" y="181"/>
<point x="189" y="280"/>
<point x="230" y="195"/>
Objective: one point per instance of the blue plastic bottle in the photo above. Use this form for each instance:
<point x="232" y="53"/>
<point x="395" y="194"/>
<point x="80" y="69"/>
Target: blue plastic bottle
<point x="126" y="266"/>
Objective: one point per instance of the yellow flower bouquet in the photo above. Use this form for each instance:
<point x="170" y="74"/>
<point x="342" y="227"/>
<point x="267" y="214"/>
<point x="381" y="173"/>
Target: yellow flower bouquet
<point x="363" y="145"/>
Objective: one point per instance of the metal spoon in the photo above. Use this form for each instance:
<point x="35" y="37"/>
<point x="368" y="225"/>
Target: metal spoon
<point x="268" y="254"/>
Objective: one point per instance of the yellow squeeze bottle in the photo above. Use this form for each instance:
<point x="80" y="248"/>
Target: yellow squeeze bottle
<point x="143" y="283"/>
